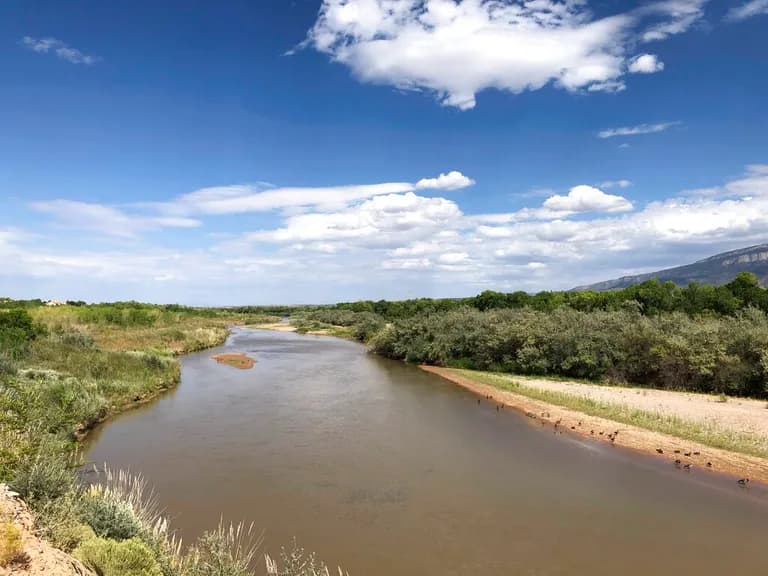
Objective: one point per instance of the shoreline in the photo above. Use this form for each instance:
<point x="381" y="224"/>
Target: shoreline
<point x="81" y="431"/>
<point x="600" y="429"/>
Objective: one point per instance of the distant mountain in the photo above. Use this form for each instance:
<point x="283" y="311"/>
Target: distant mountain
<point x="718" y="269"/>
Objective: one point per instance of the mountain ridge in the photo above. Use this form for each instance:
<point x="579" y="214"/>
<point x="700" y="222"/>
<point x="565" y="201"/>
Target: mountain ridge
<point x="717" y="269"/>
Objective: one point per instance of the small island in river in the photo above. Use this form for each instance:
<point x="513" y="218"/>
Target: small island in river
<point x="238" y="360"/>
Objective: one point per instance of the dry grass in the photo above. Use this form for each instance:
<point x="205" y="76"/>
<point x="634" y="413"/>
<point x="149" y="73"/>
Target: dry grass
<point x="11" y="549"/>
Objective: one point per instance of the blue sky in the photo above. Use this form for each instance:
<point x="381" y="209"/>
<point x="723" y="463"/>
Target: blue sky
<point x="324" y="150"/>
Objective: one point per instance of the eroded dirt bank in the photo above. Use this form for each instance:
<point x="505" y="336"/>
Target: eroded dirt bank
<point x="744" y="417"/>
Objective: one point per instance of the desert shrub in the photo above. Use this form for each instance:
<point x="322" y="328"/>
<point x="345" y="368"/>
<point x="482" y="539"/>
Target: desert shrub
<point x="110" y="558"/>
<point x="58" y="521"/>
<point x="109" y="516"/>
<point x="226" y="551"/>
<point x="11" y="549"/>
<point x="44" y="477"/>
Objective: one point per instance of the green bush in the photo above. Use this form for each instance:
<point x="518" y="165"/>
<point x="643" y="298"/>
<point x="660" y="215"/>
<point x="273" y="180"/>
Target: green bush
<point x="110" y="558"/>
<point x="108" y="516"/>
<point x="44" y="477"/>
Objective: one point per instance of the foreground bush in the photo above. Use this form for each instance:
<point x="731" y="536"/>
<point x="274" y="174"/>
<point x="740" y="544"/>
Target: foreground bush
<point x="110" y="558"/>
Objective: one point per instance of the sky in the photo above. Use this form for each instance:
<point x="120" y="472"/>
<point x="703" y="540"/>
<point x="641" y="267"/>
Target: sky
<point x="314" y="151"/>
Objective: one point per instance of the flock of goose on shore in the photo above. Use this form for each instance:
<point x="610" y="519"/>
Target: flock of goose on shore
<point x="688" y="466"/>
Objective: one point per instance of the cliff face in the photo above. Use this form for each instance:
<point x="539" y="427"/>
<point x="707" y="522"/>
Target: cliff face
<point x="718" y="269"/>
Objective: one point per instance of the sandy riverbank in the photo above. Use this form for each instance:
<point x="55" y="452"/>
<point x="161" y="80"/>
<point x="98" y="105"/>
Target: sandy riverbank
<point x="738" y="415"/>
<point x="276" y="326"/>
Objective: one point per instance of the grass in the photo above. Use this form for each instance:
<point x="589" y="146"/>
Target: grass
<point x="705" y="433"/>
<point x="11" y="549"/>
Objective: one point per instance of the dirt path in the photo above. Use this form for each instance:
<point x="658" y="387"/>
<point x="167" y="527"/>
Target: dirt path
<point x="740" y="415"/>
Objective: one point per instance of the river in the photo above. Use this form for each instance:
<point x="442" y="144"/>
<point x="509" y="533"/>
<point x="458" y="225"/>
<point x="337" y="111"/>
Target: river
<point x="387" y="470"/>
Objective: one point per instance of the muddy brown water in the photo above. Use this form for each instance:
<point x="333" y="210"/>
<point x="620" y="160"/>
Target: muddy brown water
<point x="388" y="470"/>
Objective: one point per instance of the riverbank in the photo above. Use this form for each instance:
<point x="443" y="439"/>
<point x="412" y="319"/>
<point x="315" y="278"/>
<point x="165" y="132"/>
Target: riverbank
<point x="312" y="328"/>
<point x="70" y="376"/>
<point x="698" y="430"/>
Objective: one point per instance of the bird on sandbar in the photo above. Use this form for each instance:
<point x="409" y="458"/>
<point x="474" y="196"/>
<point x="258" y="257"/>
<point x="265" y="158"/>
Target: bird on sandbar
<point x="659" y="450"/>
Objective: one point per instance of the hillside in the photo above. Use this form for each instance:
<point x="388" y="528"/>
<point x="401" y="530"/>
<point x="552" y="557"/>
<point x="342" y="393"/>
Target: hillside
<point x="717" y="269"/>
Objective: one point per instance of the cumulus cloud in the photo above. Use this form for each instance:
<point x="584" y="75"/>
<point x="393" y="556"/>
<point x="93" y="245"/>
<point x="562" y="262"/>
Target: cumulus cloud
<point x="402" y="245"/>
<point x="453" y="180"/>
<point x="748" y="10"/>
<point x="59" y="48"/>
<point x="636" y="130"/>
<point x="646" y="64"/>
<point x="457" y="48"/>
<point x="380" y="221"/>
<point x="107" y="219"/>
<point x="587" y="199"/>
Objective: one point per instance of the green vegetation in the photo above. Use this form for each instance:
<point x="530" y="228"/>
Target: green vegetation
<point x="650" y="298"/>
<point x="642" y="341"/>
<point x="705" y="433"/>
<point x="64" y="369"/>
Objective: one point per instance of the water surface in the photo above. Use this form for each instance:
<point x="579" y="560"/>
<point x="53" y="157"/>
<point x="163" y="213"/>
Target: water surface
<point x="392" y="471"/>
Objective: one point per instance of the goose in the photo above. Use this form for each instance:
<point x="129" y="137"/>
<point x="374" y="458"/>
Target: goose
<point x="743" y="481"/>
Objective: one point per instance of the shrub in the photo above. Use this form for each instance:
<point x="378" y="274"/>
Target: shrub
<point x="226" y="551"/>
<point x="108" y="516"/>
<point x="127" y="558"/>
<point x="11" y="549"/>
<point x="44" y="477"/>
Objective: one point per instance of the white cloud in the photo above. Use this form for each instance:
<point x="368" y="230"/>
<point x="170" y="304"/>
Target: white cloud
<point x="456" y="49"/>
<point x="453" y="180"/>
<point x="616" y="184"/>
<point x="636" y="130"/>
<point x="398" y="245"/>
<point x="646" y="64"/>
<point x="59" y="48"/>
<point x="587" y="199"/>
<point x="748" y="10"/>
<point x="240" y="199"/>
<point x="675" y="17"/>
<point x="380" y="221"/>
<point x="107" y="219"/>
<point x="407" y="264"/>
<point x="453" y="257"/>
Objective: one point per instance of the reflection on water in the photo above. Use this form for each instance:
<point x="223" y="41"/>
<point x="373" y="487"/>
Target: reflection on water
<point x="389" y="470"/>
